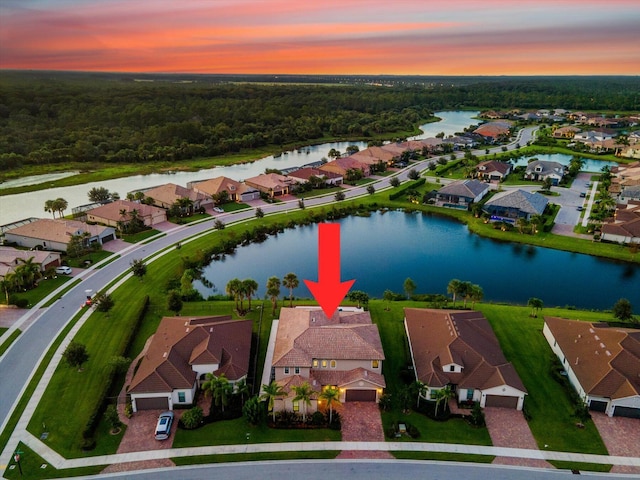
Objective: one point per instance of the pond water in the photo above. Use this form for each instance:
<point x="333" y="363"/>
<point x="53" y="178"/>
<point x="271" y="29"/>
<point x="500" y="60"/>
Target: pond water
<point x="23" y="205"/>
<point x="590" y="165"/>
<point x="381" y="251"/>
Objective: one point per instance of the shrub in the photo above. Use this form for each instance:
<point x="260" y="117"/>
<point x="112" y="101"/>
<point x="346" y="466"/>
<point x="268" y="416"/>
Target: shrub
<point x="477" y="416"/>
<point x="254" y="411"/>
<point x="192" y="418"/>
<point x="317" y="418"/>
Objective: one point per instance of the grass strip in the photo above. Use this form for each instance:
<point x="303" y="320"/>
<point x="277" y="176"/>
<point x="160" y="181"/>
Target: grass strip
<point x="443" y="456"/>
<point x="254" y="457"/>
<point x="580" y="466"/>
<point x="5" y="345"/>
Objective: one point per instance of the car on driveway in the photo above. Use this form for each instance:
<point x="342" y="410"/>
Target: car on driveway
<point x="163" y="428"/>
<point x="64" y="270"/>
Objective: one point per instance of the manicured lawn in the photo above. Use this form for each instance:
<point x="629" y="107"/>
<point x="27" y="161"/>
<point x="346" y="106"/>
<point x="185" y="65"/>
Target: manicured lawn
<point x="93" y="257"/>
<point x="138" y="237"/>
<point x="32" y="463"/>
<point x="233" y="207"/>
<point x="447" y="457"/>
<point x="254" y="457"/>
<point x="233" y="432"/>
<point x="552" y="422"/>
<point x="587" y="467"/>
<point x="318" y="192"/>
<point x="44" y="288"/>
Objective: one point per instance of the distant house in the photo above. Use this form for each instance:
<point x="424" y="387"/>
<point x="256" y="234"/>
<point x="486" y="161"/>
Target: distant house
<point x="120" y="211"/>
<point x="460" y="142"/>
<point x="55" y="234"/>
<point x="11" y="257"/>
<point x="625" y="227"/>
<point x="594" y="136"/>
<point x="342" y="165"/>
<point x="181" y="353"/>
<point x="344" y="351"/>
<point x="273" y="184"/>
<point x="493" y="170"/>
<point x="540" y="170"/>
<point x="494" y="131"/>
<point x="375" y="155"/>
<point x="461" y="194"/>
<point x="602" y="363"/>
<point x="236" y="191"/>
<point x="306" y="173"/>
<point x="510" y="205"/>
<point x="565" y="132"/>
<point x="457" y="348"/>
<point x="168" y="194"/>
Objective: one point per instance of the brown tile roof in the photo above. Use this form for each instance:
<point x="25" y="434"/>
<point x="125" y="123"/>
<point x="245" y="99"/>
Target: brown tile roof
<point x="493" y="129"/>
<point x="169" y="193"/>
<point x="57" y="230"/>
<point x="308" y="172"/>
<point x="111" y="211"/>
<point x="272" y="181"/>
<point x="216" y="185"/>
<point x="305" y="334"/>
<point x="181" y="342"/>
<point x="606" y="360"/>
<point x="494" y="166"/>
<point x="373" y="155"/>
<point x="442" y="337"/>
<point x="10" y="257"/>
<point x="346" y="163"/>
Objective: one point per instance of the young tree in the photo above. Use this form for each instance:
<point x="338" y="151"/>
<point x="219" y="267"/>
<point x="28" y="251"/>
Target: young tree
<point x="76" y="355"/>
<point x="273" y="291"/>
<point x="623" y="310"/>
<point x="174" y="301"/>
<point x="394" y="182"/>
<point x="371" y="189"/>
<point x="138" y="267"/>
<point x="387" y="296"/>
<point x="359" y="296"/>
<point x="413" y="174"/>
<point x="290" y="281"/>
<point x="112" y="417"/>
<point x="271" y="393"/>
<point x="259" y="213"/>
<point x="339" y="196"/>
<point x="332" y="396"/>
<point x="219" y="225"/>
<point x="102" y="302"/>
<point x="409" y="287"/>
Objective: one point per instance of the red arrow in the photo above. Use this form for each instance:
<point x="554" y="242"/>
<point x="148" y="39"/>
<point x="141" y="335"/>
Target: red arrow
<point x="329" y="291"/>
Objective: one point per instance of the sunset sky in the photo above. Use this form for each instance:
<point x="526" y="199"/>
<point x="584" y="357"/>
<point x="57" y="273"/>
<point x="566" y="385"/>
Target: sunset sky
<point x="402" y="37"/>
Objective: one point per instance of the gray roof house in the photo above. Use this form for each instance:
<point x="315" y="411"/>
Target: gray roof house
<point x="539" y="170"/>
<point x="461" y="194"/>
<point x="510" y="205"/>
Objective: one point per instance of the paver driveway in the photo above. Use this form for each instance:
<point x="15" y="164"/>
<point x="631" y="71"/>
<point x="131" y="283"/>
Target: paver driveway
<point x="621" y="436"/>
<point x="361" y="422"/>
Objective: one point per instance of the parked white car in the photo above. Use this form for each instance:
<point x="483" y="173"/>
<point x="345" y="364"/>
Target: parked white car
<point x="64" y="270"/>
<point x="163" y="428"/>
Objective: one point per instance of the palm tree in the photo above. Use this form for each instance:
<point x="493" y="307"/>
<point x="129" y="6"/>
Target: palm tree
<point x="242" y="388"/>
<point x="273" y="291"/>
<point x="250" y="286"/>
<point x="8" y="284"/>
<point x="28" y="271"/>
<point x="420" y="389"/>
<point x="454" y="288"/>
<point x="49" y="206"/>
<point x="442" y="396"/>
<point x="464" y="292"/>
<point x="304" y="393"/>
<point x="60" y="204"/>
<point x="219" y="388"/>
<point x="290" y="281"/>
<point x="332" y="396"/>
<point x="535" y="304"/>
<point x="233" y="290"/>
<point x="476" y="294"/>
<point x="270" y="393"/>
<point x="536" y="221"/>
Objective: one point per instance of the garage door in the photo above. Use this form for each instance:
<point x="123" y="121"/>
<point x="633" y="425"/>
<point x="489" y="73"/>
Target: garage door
<point x="156" y="403"/>
<point x="597" y="406"/>
<point x="361" y="396"/>
<point x="500" y="401"/>
<point x="626" y="412"/>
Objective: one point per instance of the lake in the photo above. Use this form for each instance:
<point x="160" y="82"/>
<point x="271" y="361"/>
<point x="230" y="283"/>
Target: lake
<point x="381" y="251"/>
<point x="589" y="164"/>
<point x="24" y="205"/>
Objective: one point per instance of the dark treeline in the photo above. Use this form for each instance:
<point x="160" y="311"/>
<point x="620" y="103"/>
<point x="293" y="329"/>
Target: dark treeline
<point x="55" y="118"/>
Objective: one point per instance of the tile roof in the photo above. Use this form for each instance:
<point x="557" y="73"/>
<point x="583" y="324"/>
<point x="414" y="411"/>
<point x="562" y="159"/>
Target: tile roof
<point x="181" y="342"/>
<point x="606" y="360"/>
<point x="465" y="338"/>
<point x="546" y="167"/>
<point x="465" y="188"/>
<point x="305" y="334"/>
<point x="493" y="129"/>
<point x="9" y="257"/>
<point x="531" y="203"/>
<point x="272" y="181"/>
<point x="169" y="193"/>
<point x="213" y="186"/>
<point x="308" y="172"/>
<point x="494" y="166"/>
<point x="111" y="211"/>
<point x="57" y="230"/>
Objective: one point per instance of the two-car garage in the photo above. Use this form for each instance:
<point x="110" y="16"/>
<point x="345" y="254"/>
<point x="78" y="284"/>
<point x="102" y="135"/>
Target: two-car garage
<point x="150" y="403"/>
<point x="501" y="401"/>
<point x="361" y="395"/>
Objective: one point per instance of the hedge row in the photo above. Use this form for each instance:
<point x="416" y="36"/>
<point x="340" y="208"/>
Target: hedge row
<point x="402" y="190"/>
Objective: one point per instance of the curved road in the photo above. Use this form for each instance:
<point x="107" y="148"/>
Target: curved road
<point x="19" y="362"/>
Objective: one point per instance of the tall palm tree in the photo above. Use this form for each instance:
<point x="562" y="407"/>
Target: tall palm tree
<point x="233" y="290"/>
<point x="8" y="284"/>
<point x="464" y="291"/>
<point x="454" y="288"/>
<point x="290" y="281"/>
<point x="273" y="292"/>
<point x="304" y="392"/>
<point x="476" y="294"/>
<point x="420" y="389"/>
<point x="242" y="389"/>
<point x="271" y="393"/>
<point x="49" y="206"/>
<point x="250" y="288"/>
<point x="442" y="396"/>
<point x="219" y="388"/>
<point x="29" y="271"/>
<point x="60" y="204"/>
<point x="332" y="396"/>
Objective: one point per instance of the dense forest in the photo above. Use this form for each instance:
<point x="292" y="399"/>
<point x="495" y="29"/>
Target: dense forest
<point x="48" y="118"/>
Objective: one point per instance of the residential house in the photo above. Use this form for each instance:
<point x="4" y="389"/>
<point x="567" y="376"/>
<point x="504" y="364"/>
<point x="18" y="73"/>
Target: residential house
<point x="510" y="205"/>
<point x="306" y="173"/>
<point x="493" y="170"/>
<point x="342" y="165"/>
<point x="169" y="194"/>
<point x="593" y="136"/>
<point x="181" y="353"/>
<point x="460" y="142"/>
<point x="344" y="351"/>
<point x="375" y="155"/>
<point x="236" y="191"/>
<point x="494" y="131"/>
<point x="457" y="348"/>
<point x="121" y="211"/>
<point x="461" y="194"/>
<point x="601" y="362"/>
<point x="11" y="257"/>
<point x="625" y="227"/>
<point x="54" y="234"/>
<point x="540" y="170"/>
<point x="565" y="132"/>
<point x="273" y="184"/>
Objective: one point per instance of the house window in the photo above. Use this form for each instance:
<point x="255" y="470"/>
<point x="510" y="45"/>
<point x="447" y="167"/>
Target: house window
<point x="315" y="363"/>
<point x="286" y="370"/>
<point x="375" y="364"/>
<point x="324" y="364"/>
<point x="296" y="370"/>
<point x="452" y="368"/>
<point x="333" y="364"/>
<point x="469" y="394"/>
<point x="296" y="406"/>
<point x="181" y="397"/>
